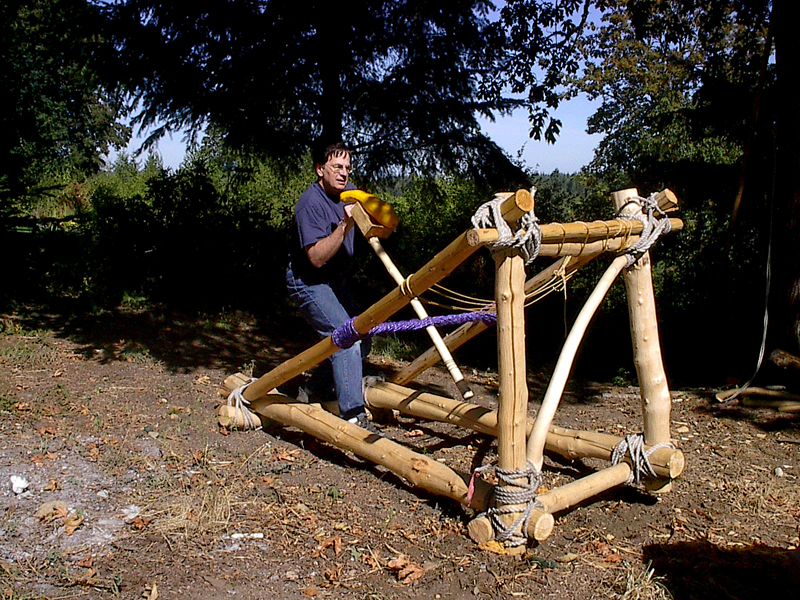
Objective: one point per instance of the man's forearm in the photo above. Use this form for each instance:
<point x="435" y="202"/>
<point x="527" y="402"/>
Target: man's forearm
<point x="325" y="249"/>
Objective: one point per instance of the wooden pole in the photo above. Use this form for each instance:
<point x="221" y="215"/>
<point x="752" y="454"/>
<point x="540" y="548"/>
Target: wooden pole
<point x="552" y="397"/>
<point x="569" y="443"/>
<point x="434" y="271"/>
<point x="656" y="400"/>
<point x="438" y="343"/>
<point x="512" y="369"/>
<point x="466" y="332"/>
<point x="578" y="232"/>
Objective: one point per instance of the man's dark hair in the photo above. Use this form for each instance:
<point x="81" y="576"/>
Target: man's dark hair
<point x="322" y="153"/>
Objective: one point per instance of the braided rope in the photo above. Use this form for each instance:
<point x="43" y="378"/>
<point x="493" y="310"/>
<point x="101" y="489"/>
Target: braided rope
<point x="527" y="238"/>
<point x="634" y="446"/>
<point x="346" y="335"/>
<point x="520" y="488"/>
<point x="240" y="403"/>
<point x="653" y="228"/>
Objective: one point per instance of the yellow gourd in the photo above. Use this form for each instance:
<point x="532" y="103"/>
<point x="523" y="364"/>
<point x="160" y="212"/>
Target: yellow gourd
<point x="380" y="211"/>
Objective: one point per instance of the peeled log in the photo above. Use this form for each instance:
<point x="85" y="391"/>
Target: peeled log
<point x="569" y="443"/>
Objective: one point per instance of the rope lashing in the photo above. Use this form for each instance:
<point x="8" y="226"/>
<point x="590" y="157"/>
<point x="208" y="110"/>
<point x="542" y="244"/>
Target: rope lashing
<point x="346" y="335"/>
<point x="520" y="488"/>
<point x="240" y="403"/>
<point x="633" y="445"/>
<point x="653" y="228"/>
<point x="527" y="238"/>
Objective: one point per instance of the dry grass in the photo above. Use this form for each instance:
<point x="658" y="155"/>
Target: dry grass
<point x="199" y="510"/>
<point x="637" y="582"/>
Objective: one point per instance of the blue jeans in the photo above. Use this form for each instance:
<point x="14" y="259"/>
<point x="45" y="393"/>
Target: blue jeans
<point x="327" y="306"/>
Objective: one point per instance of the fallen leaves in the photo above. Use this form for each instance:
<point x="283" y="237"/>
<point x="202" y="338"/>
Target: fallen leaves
<point x="58" y="511"/>
<point x="407" y="571"/>
<point x="50" y="511"/>
<point x="72" y="522"/>
<point x="334" y="542"/>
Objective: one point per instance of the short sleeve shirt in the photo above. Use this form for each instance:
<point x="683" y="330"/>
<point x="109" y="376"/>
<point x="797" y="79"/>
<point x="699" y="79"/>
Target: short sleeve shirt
<point x="316" y="215"/>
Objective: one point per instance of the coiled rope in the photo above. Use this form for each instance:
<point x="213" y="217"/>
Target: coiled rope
<point x="520" y="488"/>
<point x="653" y="228"/>
<point x="633" y="445"/>
<point x="527" y="237"/>
<point x="346" y="335"/>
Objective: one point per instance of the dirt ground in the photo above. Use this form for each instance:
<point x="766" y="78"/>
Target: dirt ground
<point x="133" y="490"/>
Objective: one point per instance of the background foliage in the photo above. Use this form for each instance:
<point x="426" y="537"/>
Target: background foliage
<point x="678" y="80"/>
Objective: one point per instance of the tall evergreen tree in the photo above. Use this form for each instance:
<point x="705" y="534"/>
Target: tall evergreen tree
<point x="404" y="81"/>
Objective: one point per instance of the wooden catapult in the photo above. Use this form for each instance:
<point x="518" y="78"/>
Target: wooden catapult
<point x="521" y="443"/>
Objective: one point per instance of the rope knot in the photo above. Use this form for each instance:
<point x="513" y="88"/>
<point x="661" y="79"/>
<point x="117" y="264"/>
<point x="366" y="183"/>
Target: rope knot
<point x="653" y="228"/>
<point x="633" y="445"/>
<point x="240" y="403"/>
<point x="527" y="237"/>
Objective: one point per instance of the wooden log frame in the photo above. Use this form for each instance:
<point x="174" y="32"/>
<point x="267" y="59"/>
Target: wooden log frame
<point x="434" y="271"/>
<point x="365" y="225"/>
<point x="656" y="400"/>
<point x="510" y="421"/>
<point x="418" y="469"/>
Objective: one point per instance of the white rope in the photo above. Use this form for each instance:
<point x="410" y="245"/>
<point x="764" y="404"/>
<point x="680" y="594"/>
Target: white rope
<point x="240" y="403"/>
<point x="520" y="488"/>
<point x="527" y="238"/>
<point x="634" y="446"/>
<point x="368" y="381"/>
<point x="653" y="228"/>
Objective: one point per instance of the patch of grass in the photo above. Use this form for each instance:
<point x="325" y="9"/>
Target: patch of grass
<point x="394" y="347"/>
<point x="6" y="403"/>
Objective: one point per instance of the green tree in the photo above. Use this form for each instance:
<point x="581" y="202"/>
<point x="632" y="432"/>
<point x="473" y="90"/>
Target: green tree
<point x="58" y="117"/>
<point x="402" y="80"/>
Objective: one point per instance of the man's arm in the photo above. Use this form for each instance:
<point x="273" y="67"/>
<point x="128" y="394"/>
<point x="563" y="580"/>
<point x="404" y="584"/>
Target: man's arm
<point x="323" y="250"/>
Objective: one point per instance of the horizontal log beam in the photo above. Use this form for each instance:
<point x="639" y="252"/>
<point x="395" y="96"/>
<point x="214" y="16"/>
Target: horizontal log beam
<point x="569" y="443"/>
<point x="578" y="232"/>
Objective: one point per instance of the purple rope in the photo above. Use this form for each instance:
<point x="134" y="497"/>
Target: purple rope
<point x="346" y="335"/>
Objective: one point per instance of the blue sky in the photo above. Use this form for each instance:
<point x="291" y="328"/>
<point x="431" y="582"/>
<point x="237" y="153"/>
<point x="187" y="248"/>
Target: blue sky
<point x="573" y="149"/>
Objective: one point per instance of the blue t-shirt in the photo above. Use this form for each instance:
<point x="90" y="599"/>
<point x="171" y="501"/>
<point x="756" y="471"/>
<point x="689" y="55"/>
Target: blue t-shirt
<point x="316" y="215"/>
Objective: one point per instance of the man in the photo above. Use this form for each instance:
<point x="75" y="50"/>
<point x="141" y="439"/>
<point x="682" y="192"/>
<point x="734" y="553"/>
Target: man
<point x="320" y="262"/>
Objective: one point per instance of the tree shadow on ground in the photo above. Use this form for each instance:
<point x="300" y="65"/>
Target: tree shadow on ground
<point x="702" y="570"/>
<point x="181" y="342"/>
<point x="766" y="419"/>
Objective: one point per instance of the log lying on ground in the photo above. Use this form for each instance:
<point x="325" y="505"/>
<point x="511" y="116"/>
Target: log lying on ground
<point x="569" y="443"/>
<point x="419" y="470"/>
<point x="785" y="360"/>
<point x="778" y="399"/>
<point x="434" y="271"/>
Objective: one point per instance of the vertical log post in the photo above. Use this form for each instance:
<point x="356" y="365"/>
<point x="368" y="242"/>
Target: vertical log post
<point x="656" y="401"/>
<point x="512" y="414"/>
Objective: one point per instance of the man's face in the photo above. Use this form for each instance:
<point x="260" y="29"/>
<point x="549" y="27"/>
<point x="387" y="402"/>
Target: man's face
<point x="335" y="173"/>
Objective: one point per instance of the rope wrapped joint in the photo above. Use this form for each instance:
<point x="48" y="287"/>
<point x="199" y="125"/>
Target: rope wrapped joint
<point x="519" y="489"/>
<point x="633" y="446"/>
<point x="240" y="403"/>
<point x="652" y="227"/>
<point x="527" y="238"/>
